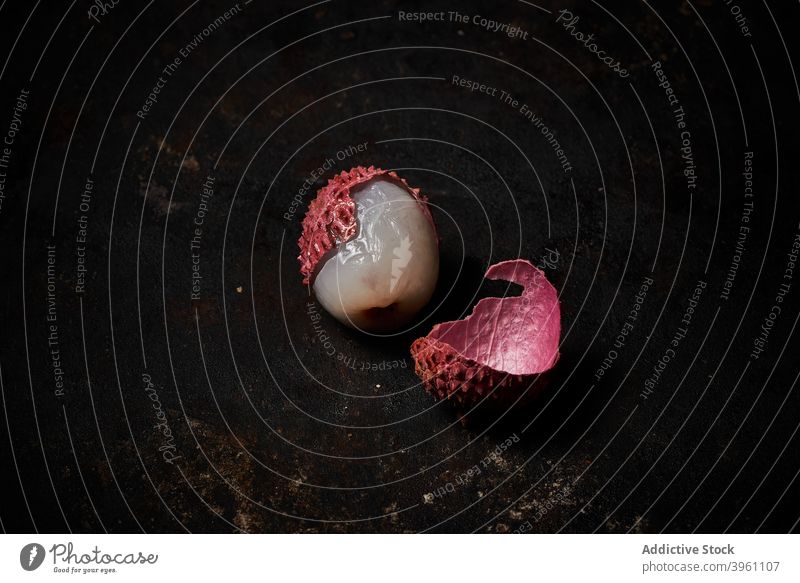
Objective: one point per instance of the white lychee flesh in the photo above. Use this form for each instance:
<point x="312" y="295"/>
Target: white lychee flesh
<point x="380" y="279"/>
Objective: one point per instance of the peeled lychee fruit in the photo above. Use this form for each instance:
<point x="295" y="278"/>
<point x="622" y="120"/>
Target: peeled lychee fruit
<point x="499" y="349"/>
<point x="369" y="250"/>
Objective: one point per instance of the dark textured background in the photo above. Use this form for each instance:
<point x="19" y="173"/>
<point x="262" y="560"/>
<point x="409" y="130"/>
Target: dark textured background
<point x="275" y="435"/>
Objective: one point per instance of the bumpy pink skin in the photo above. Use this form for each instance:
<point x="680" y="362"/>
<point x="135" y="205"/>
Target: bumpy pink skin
<point x="500" y="348"/>
<point x="331" y="216"/>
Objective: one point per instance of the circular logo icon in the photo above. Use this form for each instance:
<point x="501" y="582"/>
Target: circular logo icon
<point x="31" y="556"/>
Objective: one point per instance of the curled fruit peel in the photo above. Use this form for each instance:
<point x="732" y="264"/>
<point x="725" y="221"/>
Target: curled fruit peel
<point x="331" y="218"/>
<point x="501" y="347"/>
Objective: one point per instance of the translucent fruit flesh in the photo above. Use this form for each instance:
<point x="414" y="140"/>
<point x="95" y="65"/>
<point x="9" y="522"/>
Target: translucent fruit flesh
<point x="380" y="279"/>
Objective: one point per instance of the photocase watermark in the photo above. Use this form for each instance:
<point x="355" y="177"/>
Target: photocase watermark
<point x="53" y="334"/>
<point x="550" y="259"/>
<point x="95" y="561"/>
<point x="327" y="165"/>
<point x="183" y="53"/>
<point x="65" y="559"/>
<point x="739" y="17"/>
<point x="569" y="21"/>
<point x="744" y="227"/>
<point x="785" y="286"/>
<point x="543" y="508"/>
<point x="329" y="348"/>
<point x="168" y="448"/>
<point x="82" y="235"/>
<point x="679" y="117"/>
<point x="506" y="98"/>
<point x="555" y="500"/>
<point x="621" y="339"/>
<point x="512" y="31"/>
<point x="100" y="8"/>
<point x="466" y="476"/>
<point x="7" y="146"/>
<point x="31" y="556"/>
<point x="671" y="352"/>
<point x="203" y="207"/>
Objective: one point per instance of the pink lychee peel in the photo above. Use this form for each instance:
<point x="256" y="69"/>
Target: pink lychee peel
<point x="500" y="348"/>
<point x="331" y="217"/>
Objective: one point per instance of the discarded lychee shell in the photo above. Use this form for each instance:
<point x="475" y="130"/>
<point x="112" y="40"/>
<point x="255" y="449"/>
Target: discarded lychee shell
<point x="331" y="216"/>
<point x="499" y="349"/>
